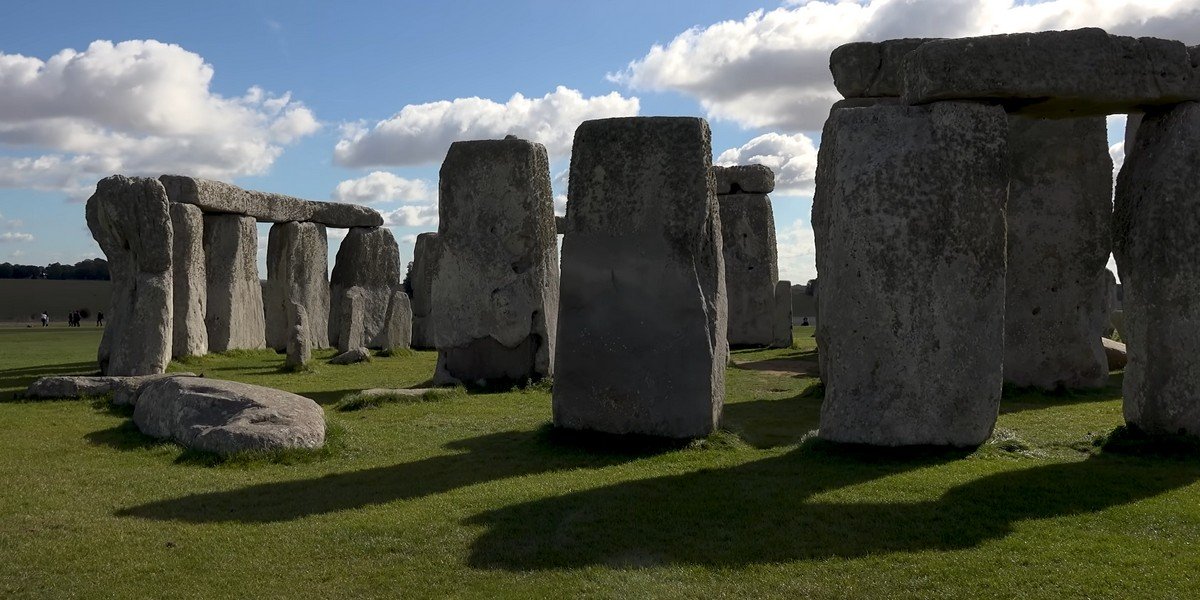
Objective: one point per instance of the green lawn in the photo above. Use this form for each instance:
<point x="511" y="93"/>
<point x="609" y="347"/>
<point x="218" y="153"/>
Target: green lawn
<point x="474" y="496"/>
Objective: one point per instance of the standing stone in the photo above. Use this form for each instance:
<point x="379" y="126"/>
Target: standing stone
<point x="751" y="267"/>
<point x="299" y="344"/>
<point x="781" y="315"/>
<point x="427" y="252"/>
<point x="1059" y="214"/>
<point x="368" y="259"/>
<point x="190" y="336"/>
<point x="496" y="285"/>
<point x="642" y="345"/>
<point x="235" y="308"/>
<point x="909" y="223"/>
<point x="351" y="313"/>
<point x="130" y="220"/>
<point x="398" y="333"/>
<point x="1154" y="232"/>
<point x="297" y="271"/>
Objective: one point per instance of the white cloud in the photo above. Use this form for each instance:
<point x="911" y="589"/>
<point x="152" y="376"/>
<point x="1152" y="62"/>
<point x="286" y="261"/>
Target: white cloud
<point x="412" y="216"/>
<point x="793" y="158"/>
<point x="797" y="249"/>
<point x="770" y="69"/>
<point x="421" y="133"/>
<point x="139" y="107"/>
<point x="381" y="186"/>
<point x="15" y="236"/>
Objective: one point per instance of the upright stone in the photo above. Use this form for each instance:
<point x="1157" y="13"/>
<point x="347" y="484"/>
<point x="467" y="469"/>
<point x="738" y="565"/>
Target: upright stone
<point x="496" y="285"/>
<point x="751" y="267"/>
<point x="427" y="252"/>
<point x="190" y="335"/>
<point x="781" y="315"/>
<point x="130" y="220"/>
<point x="297" y="271"/>
<point x="642" y="345"/>
<point x="369" y="259"/>
<point x="398" y="334"/>
<point x="911" y="263"/>
<point x="235" y="307"/>
<point x="299" y="344"/>
<point x="1155" y="223"/>
<point x="351" y="314"/>
<point x="1059" y="214"/>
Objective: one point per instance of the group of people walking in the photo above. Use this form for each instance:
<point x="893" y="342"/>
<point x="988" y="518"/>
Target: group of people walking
<point x="75" y="319"/>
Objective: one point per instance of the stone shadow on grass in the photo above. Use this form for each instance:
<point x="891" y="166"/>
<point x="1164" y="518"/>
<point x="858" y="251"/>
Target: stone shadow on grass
<point x="773" y="423"/>
<point x="764" y="513"/>
<point x="1023" y="399"/>
<point x="486" y="458"/>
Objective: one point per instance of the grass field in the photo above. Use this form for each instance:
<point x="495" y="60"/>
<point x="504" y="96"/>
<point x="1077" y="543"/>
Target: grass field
<point x="474" y="496"/>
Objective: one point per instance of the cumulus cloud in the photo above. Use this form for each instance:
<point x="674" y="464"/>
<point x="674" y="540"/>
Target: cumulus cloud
<point x="381" y="186"/>
<point x="412" y="216"/>
<point x="139" y="107"/>
<point x="770" y="69"/>
<point x="15" y="236"/>
<point x="792" y="157"/>
<point x="421" y="133"/>
<point x="797" y="252"/>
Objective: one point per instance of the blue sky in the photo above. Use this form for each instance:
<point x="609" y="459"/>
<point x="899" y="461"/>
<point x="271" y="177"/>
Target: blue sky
<point x="290" y="96"/>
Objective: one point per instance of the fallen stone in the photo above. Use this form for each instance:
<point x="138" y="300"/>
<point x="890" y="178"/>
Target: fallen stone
<point x="227" y="417"/>
<point x="782" y="315"/>
<point x="349" y="357"/>
<point x="1085" y="72"/>
<point x="643" y="279"/>
<point x="496" y="284"/>
<point x="751" y="267"/>
<point x="410" y="392"/>
<point x="369" y="259"/>
<point x="1114" y="354"/>
<point x="912" y="268"/>
<point x="398" y="333"/>
<point x="297" y="271"/>
<point x="123" y="388"/>
<point x="190" y="284"/>
<point x="234" y="316"/>
<point x="1059" y="237"/>
<point x="220" y="197"/>
<point x="744" y="179"/>
<point x="871" y="69"/>
<point x="130" y="220"/>
<point x="1156" y="217"/>
<point x="299" y="346"/>
<point x="426" y="255"/>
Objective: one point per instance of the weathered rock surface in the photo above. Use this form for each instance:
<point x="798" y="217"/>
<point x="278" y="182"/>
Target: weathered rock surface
<point x="427" y="252"/>
<point x="234" y="315"/>
<point x="91" y="386"/>
<point x="560" y="225"/>
<point x="351" y="309"/>
<point x="642" y="324"/>
<point x="496" y="284"/>
<point x="351" y="356"/>
<point x="220" y="197"/>
<point x="1156" y="218"/>
<point x="744" y="179"/>
<point x="190" y="285"/>
<point x="1059" y="237"/>
<point x="297" y="271"/>
<point x="1054" y="73"/>
<point x="751" y="267"/>
<point x="426" y="393"/>
<point x="370" y="259"/>
<point x="398" y="333"/>
<point x="911" y="263"/>
<point x="226" y="417"/>
<point x="1114" y="354"/>
<point x="871" y="69"/>
<point x="782" y="315"/>
<point x="299" y="344"/>
<point x="131" y="221"/>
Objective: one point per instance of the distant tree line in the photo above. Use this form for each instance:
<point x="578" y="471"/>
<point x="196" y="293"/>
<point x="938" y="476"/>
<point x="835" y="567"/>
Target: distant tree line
<point x="94" y="268"/>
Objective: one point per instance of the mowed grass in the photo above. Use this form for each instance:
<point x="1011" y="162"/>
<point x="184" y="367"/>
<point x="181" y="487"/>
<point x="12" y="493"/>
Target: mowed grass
<point x="473" y="495"/>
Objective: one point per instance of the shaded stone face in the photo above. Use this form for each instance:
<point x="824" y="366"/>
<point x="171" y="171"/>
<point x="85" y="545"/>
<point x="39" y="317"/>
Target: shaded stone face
<point x="131" y="221"/>
<point x="871" y="69"/>
<point x="190" y="335"/>
<point x="297" y="271"/>
<point x="743" y="179"/>
<point x="220" y="197"/>
<point x="912" y="267"/>
<point x="642" y="325"/>
<point x="426" y="255"/>
<point x="497" y="273"/>
<point x="351" y="312"/>
<point x="399" y="322"/>
<point x="1059" y="210"/>
<point x="299" y="342"/>
<point x="1085" y="72"/>
<point x="748" y="237"/>
<point x="1156" y="218"/>
<point x="369" y="259"/>
<point x="235" y="306"/>
<point x="781" y="315"/>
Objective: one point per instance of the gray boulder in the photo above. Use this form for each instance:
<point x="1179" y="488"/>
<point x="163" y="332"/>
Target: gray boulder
<point x="496" y="284"/>
<point x="1156" y="218"/>
<point x="871" y="69"/>
<point x="642" y="318"/>
<point x="227" y="417"/>
<point x="370" y="259"/>
<point x="299" y="345"/>
<point x="131" y="221"/>
<point x="190" y="284"/>
<point x="398" y="333"/>
<point x="234" y="316"/>
<point x="351" y="356"/>
<point x="1059" y="213"/>
<point x="124" y="389"/>
<point x="743" y="179"/>
<point x="1054" y="73"/>
<point x="781" y="315"/>
<point x="427" y="253"/>
<point x="751" y="267"/>
<point x="297" y="271"/>
<point x="909" y="223"/>
<point x="220" y="197"/>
